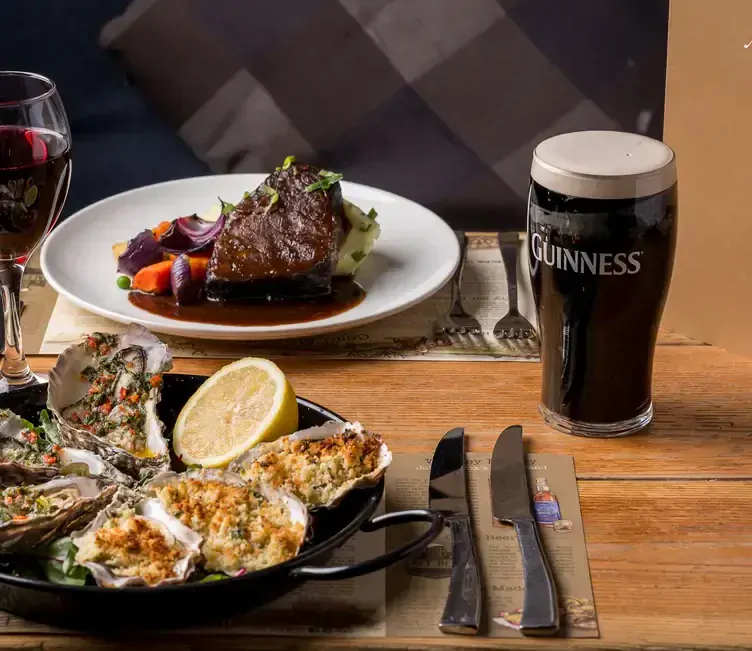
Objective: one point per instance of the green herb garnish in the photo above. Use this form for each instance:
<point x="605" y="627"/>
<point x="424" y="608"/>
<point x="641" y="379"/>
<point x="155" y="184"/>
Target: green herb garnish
<point x="327" y="181"/>
<point x="288" y="162"/>
<point x="273" y="194"/>
<point x="76" y="575"/>
<point x="358" y="255"/>
<point x="213" y="577"/>
<point x="59" y="564"/>
<point x="370" y="223"/>
<point x="227" y="208"/>
<point x="49" y="427"/>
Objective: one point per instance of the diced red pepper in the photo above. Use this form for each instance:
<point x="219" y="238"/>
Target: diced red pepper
<point x="49" y="459"/>
<point x="134" y="398"/>
<point x="155" y="380"/>
<point x="122" y="393"/>
<point x="20" y="518"/>
<point x="32" y="437"/>
<point x="106" y="408"/>
<point x="8" y="500"/>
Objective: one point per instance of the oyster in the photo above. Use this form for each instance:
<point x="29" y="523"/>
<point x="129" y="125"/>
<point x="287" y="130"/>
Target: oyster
<point x="35" y="515"/>
<point x="28" y="457"/>
<point x="244" y="528"/>
<point x="319" y="465"/>
<point x="104" y="394"/>
<point x="142" y="545"/>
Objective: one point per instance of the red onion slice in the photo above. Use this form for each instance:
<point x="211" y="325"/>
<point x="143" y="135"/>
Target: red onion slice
<point x="190" y="234"/>
<point x="185" y="290"/>
<point x="141" y="251"/>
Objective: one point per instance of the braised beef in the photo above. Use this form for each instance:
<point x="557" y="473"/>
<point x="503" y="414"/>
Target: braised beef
<point x="279" y="247"/>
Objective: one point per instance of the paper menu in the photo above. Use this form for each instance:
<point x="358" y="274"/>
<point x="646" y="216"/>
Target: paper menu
<point x="408" y="335"/>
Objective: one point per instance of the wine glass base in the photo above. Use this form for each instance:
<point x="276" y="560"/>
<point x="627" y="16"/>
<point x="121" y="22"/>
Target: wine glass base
<point x="36" y="378"/>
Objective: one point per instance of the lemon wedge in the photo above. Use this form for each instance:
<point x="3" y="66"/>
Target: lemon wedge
<point x="242" y="404"/>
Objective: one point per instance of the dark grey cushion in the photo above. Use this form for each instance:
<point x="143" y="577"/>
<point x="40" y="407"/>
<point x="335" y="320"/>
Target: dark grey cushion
<point x="119" y="141"/>
<point x="439" y="100"/>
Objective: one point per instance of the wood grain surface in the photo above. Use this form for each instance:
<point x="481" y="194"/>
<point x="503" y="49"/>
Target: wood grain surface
<point x="665" y="511"/>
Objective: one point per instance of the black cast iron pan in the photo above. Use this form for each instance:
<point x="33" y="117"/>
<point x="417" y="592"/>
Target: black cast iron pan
<point x="104" y="609"/>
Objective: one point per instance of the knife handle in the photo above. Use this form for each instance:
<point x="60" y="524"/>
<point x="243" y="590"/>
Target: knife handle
<point x="462" y="610"/>
<point x="540" y="608"/>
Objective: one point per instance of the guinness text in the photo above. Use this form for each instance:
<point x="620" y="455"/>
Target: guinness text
<point x="601" y="264"/>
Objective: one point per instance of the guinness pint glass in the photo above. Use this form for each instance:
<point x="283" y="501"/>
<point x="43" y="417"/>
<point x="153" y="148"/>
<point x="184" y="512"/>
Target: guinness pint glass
<point x="602" y="219"/>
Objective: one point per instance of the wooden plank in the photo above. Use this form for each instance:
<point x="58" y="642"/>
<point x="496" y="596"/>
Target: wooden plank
<point x="671" y="564"/>
<point x="702" y="426"/>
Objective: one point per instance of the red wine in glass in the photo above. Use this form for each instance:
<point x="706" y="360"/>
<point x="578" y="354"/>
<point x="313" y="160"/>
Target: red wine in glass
<point x="35" y="170"/>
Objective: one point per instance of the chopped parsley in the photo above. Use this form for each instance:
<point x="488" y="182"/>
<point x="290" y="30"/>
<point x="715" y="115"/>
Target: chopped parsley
<point x="370" y="223"/>
<point x="358" y="255"/>
<point x="20" y="503"/>
<point x="328" y="179"/>
<point x="35" y="448"/>
<point x="120" y="385"/>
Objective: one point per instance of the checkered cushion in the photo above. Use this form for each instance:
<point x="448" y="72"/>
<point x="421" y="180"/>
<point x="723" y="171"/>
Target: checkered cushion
<point x="441" y="101"/>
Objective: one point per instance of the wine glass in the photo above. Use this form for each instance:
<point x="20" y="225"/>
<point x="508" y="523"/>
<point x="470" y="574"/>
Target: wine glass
<point x="35" y="171"/>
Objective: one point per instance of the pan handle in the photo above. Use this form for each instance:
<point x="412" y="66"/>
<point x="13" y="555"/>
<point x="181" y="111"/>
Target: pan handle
<point x="385" y="560"/>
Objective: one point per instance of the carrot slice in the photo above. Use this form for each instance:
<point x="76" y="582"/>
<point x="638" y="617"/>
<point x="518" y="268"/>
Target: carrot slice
<point x="154" y="279"/>
<point x="160" y="229"/>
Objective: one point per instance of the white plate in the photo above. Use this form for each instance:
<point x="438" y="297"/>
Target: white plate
<point x="414" y="257"/>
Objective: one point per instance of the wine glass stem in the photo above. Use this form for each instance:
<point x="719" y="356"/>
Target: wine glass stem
<point x="15" y="370"/>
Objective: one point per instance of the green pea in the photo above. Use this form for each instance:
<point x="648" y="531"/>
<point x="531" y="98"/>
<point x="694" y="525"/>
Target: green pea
<point x="124" y="282"/>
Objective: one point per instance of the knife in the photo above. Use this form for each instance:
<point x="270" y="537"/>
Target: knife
<point x="510" y="504"/>
<point x="447" y="493"/>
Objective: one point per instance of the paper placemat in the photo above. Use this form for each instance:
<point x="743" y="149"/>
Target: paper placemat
<point x="407" y="600"/>
<point x="408" y="335"/>
<point x="38" y="301"/>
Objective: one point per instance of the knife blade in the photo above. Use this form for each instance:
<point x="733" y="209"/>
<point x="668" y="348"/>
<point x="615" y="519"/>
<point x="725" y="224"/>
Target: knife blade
<point x="447" y="493"/>
<point x="510" y="504"/>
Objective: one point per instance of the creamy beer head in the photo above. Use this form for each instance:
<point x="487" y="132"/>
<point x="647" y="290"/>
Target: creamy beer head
<point x="604" y="165"/>
<point x="602" y="217"/>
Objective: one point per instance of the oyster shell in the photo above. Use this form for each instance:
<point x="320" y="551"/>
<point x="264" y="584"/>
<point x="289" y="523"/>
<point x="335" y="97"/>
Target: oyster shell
<point x="265" y="463"/>
<point x="110" y="384"/>
<point x="24" y="460"/>
<point x="44" y="512"/>
<point x="232" y="521"/>
<point x="137" y="540"/>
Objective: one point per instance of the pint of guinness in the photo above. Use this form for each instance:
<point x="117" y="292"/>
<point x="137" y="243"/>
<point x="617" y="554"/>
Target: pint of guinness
<point x="602" y="219"/>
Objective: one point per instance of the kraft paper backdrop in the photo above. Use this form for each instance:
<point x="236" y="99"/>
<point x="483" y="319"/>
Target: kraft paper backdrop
<point x="708" y="122"/>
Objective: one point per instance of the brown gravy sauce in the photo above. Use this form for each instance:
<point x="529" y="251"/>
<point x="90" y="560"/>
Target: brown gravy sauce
<point x="346" y="294"/>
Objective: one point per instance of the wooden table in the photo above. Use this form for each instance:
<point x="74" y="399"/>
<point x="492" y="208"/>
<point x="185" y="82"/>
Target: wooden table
<point x="667" y="512"/>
